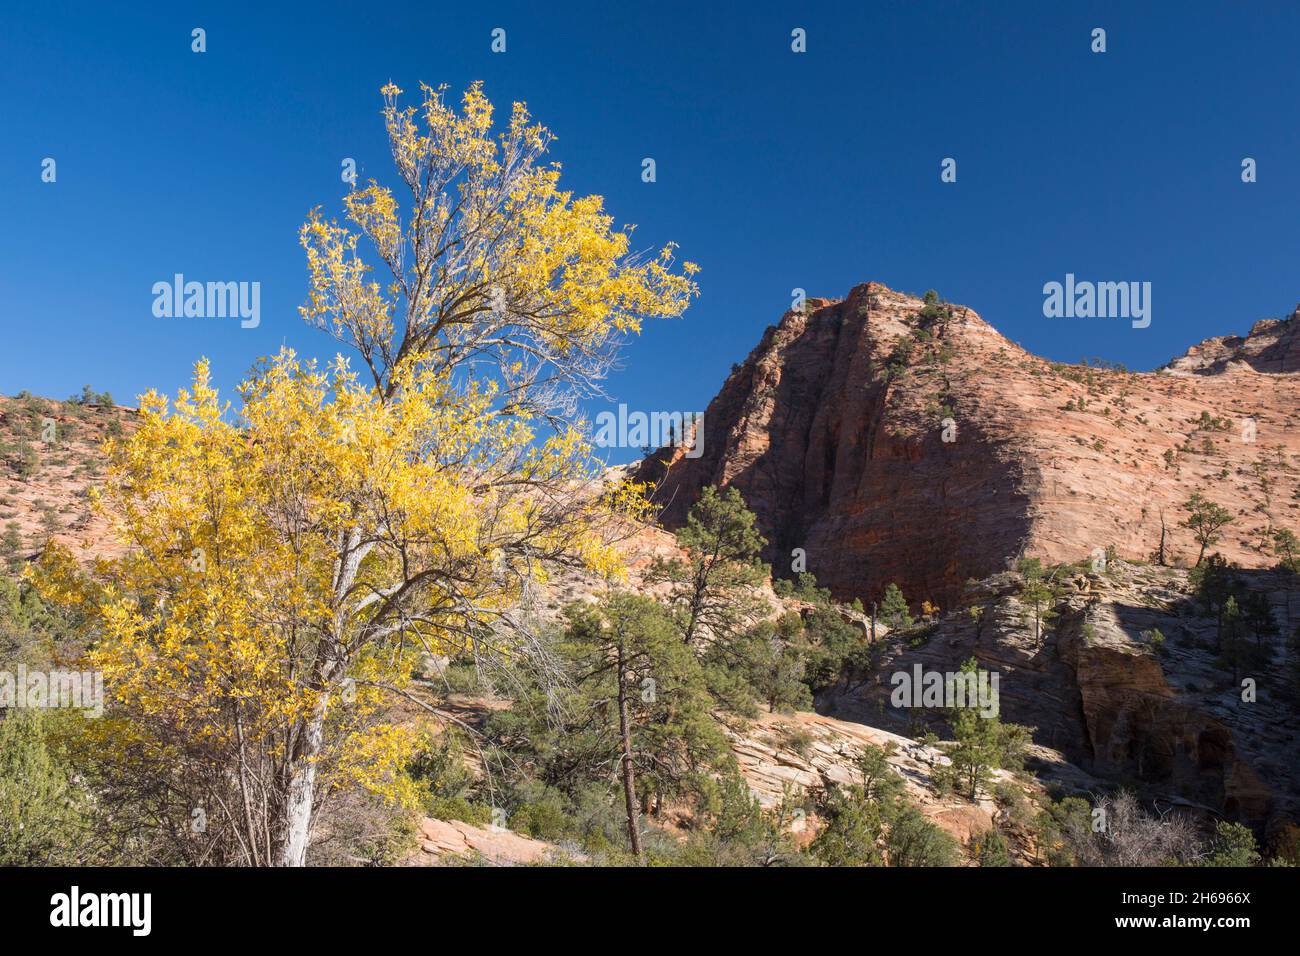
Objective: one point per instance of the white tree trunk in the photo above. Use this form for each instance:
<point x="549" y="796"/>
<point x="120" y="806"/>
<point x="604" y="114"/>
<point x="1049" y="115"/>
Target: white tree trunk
<point x="301" y="797"/>
<point x="302" y="790"/>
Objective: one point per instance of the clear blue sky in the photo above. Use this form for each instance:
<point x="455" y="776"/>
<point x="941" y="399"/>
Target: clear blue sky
<point x="775" y="169"/>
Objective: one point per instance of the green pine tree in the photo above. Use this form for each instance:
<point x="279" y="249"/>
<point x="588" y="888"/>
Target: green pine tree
<point x="1038" y="595"/>
<point x="894" y="612"/>
<point x="980" y="744"/>
<point x="990" y="848"/>
<point x="713" y="592"/>
<point x="1205" y="520"/>
<point x="912" y="840"/>
<point x="644" y="696"/>
<point x="44" y="815"/>
<point x="851" y="830"/>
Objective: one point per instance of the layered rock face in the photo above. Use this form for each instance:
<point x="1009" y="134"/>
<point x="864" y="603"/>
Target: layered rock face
<point x="892" y="442"/>
<point x="1161" y="716"/>
<point x="1273" y="345"/>
<point x="773" y="765"/>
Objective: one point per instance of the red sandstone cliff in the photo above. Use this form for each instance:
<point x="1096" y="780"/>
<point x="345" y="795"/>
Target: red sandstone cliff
<point x="832" y="429"/>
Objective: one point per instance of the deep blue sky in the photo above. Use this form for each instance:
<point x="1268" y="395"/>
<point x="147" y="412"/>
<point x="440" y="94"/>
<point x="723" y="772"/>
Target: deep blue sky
<point x="775" y="170"/>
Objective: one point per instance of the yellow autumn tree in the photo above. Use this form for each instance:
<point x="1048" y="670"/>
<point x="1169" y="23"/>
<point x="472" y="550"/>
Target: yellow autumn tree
<point x="288" y="557"/>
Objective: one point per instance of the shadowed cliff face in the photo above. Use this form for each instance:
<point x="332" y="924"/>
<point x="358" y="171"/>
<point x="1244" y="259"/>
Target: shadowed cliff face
<point x="1168" y="720"/>
<point x="833" y="429"/>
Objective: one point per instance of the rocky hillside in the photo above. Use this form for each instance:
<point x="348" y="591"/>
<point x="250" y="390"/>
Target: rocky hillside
<point x="898" y="442"/>
<point x="779" y="756"/>
<point x="51" y="454"/>
<point x="806" y="751"/>
<point x="1161" y="714"/>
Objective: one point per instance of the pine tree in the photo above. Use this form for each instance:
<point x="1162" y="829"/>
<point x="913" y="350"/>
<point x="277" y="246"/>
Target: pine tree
<point x="1232" y="845"/>
<point x="1287" y="547"/>
<point x="912" y="840"/>
<point x="894" y="612"/>
<point x="852" y="828"/>
<point x="877" y="777"/>
<point x="44" y="815"/>
<point x="981" y="743"/>
<point x="772" y="659"/>
<point x="1037" y="594"/>
<point x="1230" y="627"/>
<point x="713" y="591"/>
<point x="1204" y="519"/>
<point x="646" y="691"/>
<point x="990" y="848"/>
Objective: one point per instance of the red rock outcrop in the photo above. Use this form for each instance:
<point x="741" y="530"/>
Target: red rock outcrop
<point x="834" y="430"/>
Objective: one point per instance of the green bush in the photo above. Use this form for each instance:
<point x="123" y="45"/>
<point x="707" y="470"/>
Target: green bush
<point x="1232" y="845"/>
<point x="912" y="840"/>
<point x="990" y="848"/>
<point x="44" y="816"/>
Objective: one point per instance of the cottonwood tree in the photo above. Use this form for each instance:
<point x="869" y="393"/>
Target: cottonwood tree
<point x="495" y="265"/>
<point x="288" y="557"/>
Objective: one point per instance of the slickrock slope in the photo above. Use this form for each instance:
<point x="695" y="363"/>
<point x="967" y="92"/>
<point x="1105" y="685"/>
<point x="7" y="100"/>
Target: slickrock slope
<point x="452" y="842"/>
<point x="806" y="751"/>
<point x="775" y="753"/>
<point x="1162" y="717"/>
<point x="833" y="430"/>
